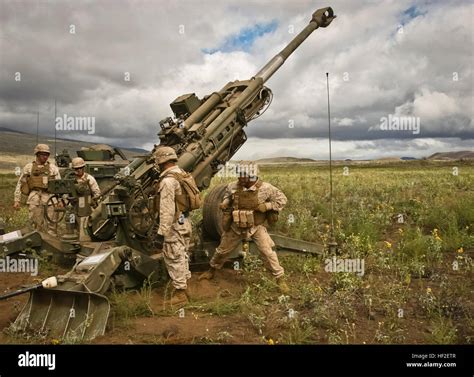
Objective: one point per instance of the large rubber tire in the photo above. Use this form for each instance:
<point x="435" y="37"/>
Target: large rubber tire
<point x="212" y="214"/>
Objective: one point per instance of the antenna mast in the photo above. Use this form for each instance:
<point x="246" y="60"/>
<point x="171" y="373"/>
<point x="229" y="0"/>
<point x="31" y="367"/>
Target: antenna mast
<point x="37" y="126"/>
<point x="55" y="128"/>
<point x="332" y="242"/>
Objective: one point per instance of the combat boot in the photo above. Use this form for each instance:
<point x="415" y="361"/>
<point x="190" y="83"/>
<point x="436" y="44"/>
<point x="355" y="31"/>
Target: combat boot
<point x="282" y="286"/>
<point x="208" y="275"/>
<point x="178" y="297"/>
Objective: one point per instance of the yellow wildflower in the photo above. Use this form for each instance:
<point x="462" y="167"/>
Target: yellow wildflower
<point x="408" y="279"/>
<point x="428" y="290"/>
<point x="388" y="244"/>
<point x="460" y="250"/>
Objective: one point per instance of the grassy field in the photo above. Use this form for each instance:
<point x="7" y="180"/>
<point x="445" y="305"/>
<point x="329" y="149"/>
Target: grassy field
<point x="413" y="226"/>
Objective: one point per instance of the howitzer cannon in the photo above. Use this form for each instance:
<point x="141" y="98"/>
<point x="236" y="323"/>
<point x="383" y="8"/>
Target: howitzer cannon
<point x="123" y="248"/>
<point x="208" y="132"/>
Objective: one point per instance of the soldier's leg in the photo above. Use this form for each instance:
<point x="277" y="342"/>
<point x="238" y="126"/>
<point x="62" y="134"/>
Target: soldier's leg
<point x="264" y="244"/>
<point x="174" y="254"/>
<point x="229" y="241"/>
<point x="36" y="216"/>
<point x="53" y="215"/>
<point x="187" y="240"/>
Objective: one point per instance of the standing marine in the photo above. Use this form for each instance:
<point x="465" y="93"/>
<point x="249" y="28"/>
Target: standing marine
<point x="178" y="195"/>
<point x="86" y="187"/>
<point x="32" y="188"/>
<point x="248" y="204"/>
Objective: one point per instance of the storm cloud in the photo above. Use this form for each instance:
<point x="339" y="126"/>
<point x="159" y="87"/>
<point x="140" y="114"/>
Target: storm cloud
<point x="123" y="62"/>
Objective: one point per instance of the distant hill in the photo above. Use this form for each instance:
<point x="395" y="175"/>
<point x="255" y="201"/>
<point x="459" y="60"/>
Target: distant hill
<point x="5" y="129"/>
<point x="385" y="159"/>
<point x="134" y="150"/>
<point x="452" y="155"/>
<point x="283" y="160"/>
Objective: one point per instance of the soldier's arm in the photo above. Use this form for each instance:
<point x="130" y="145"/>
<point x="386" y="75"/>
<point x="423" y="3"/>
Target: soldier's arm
<point x="226" y="200"/>
<point x="17" y="195"/>
<point x="167" y="205"/>
<point x="276" y="199"/>
<point x="55" y="172"/>
<point x="94" y="187"/>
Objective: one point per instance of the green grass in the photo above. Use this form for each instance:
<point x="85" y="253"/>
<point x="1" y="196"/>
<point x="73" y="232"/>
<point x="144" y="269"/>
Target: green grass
<point x="408" y="264"/>
<point x="127" y="305"/>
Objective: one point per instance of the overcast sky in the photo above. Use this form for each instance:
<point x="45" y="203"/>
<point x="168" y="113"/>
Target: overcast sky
<point x="385" y="58"/>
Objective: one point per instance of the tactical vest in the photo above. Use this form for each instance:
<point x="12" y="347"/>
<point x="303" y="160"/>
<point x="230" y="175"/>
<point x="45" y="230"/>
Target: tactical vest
<point x="84" y="193"/>
<point x="83" y="187"/>
<point x="244" y="205"/>
<point x="38" y="178"/>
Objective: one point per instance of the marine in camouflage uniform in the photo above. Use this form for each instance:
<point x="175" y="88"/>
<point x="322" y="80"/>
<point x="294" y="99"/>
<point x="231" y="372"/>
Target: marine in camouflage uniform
<point x="247" y="205"/>
<point x="32" y="187"/>
<point x="88" y="192"/>
<point x="86" y="184"/>
<point x="174" y="227"/>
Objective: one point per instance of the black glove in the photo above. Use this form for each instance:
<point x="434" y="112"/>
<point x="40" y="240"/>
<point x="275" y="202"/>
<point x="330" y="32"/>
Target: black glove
<point x="160" y="238"/>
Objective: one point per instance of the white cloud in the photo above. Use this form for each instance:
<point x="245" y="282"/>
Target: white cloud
<point x="433" y="105"/>
<point x="344" y="121"/>
<point x="374" y="71"/>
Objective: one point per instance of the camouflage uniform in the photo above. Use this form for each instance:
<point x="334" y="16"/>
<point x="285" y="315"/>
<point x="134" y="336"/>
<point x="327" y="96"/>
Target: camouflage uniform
<point x="91" y="182"/>
<point x="37" y="199"/>
<point x="176" y="229"/>
<point x="273" y="199"/>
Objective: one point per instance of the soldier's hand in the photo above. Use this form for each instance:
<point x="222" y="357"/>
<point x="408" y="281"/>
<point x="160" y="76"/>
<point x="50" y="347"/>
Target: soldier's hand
<point x="223" y="206"/>
<point x="160" y="238"/>
<point x="16" y="205"/>
<point x="262" y="207"/>
<point x="95" y="202"/>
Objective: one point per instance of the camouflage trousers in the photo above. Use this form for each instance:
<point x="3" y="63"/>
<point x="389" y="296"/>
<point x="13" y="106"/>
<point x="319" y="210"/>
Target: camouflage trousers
<point x="175" y="253"/>
<point x="37" y="217"/>
<point x="36" y="206"/>
<point x="231" y="239"/>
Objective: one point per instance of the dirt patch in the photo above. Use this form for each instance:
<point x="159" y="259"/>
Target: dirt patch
<point x="189" y="324"/>
<point x="10" y="307"/>
<point x="192" y="328"/>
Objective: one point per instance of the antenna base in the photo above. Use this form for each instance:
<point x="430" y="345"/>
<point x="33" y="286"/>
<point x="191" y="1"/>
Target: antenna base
<point x="333" y="247"/>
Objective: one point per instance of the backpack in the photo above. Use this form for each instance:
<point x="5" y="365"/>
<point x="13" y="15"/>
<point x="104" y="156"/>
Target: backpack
<point x="190" y="197"/>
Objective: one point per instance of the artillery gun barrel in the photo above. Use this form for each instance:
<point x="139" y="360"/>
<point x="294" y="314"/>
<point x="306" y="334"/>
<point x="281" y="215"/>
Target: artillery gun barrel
<point x="321" y="18"/>
<point x="219" y="113"/>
